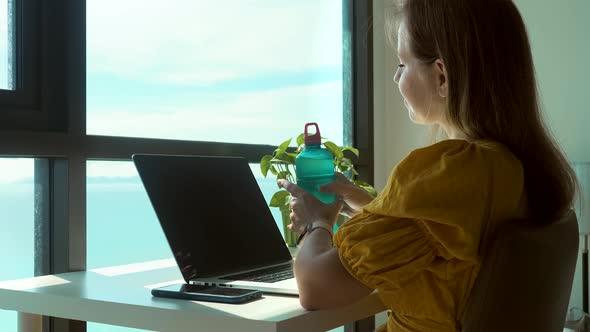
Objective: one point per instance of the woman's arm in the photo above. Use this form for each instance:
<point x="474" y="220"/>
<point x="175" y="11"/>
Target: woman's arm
<point x="322" y="280"/>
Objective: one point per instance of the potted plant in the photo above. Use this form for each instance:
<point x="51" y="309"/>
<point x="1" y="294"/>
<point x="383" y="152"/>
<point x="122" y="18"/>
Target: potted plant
<point x="282" y="165"/>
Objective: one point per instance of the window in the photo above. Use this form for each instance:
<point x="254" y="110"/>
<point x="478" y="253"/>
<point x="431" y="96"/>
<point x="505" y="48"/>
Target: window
<point x="22" y="57"/>
<point x="6" y="45"/>
<point x="88" y="90"/>
<point x="17" y="224"/>
<point x="214" y="71"/>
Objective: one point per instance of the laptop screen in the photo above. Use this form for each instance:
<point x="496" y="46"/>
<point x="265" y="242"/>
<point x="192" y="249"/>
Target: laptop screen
<point x="212" y="212"/>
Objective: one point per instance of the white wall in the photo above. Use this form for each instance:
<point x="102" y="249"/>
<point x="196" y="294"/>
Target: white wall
<point x="559" y="38"/>
<point x="558" y="31"/>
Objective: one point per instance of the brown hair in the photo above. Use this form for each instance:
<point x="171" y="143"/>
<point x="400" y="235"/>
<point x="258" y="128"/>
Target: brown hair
<point x="492" y="87"/>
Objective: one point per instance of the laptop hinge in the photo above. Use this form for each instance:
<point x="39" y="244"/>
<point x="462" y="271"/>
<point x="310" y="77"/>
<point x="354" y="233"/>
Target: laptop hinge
<point x="200" y="279"/>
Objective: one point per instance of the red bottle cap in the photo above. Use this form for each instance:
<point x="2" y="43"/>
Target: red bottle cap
<point x="315" y="139"/>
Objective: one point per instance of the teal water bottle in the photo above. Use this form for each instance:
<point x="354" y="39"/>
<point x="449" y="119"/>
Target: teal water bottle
<point x="314" y="166"/>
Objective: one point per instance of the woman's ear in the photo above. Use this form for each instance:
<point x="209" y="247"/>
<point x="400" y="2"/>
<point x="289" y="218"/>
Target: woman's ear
<point x="442" y="82"/>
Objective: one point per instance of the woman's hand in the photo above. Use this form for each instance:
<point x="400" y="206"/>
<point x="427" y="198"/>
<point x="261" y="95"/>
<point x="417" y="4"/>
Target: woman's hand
<point x="354" y="197"/>
<point x="305" y="208"/>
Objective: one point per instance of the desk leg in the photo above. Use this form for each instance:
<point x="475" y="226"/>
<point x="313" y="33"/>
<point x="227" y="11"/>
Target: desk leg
<point x="67" y="325"/>
<point x="363" y="325"/>
<point x="29" y="322"/>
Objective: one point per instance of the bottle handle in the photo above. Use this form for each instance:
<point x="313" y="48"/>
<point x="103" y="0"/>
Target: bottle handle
<point x="315" y="139"/>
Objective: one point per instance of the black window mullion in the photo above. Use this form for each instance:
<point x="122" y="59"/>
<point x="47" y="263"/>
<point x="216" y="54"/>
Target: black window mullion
<point x="121" y="148"/>
<point x="43" y="144"/>
<point x="347" y="71"/>
<point x="68" y="215"/>
<point x="42" y="229"/>
<point x="358" y="54"/>
<point x="20" y="108"/>
<point x="363" y="86"/>
<point x="60" y="227"/>
<point x="66" y="227"/>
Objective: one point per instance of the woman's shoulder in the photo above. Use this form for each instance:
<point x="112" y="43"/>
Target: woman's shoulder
<point x="458" y="156"/>
<point x="452" y="174"/>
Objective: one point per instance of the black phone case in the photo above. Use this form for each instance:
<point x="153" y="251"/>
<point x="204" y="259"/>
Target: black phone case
<point x="207" y="297"/>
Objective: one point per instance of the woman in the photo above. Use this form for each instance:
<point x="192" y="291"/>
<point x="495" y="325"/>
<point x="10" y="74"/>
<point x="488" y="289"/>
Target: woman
<point x="466" y="66"/>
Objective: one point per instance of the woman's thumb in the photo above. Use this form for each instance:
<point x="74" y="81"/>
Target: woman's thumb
<point x="333" y="187"/>
<point x="337" y="204"/>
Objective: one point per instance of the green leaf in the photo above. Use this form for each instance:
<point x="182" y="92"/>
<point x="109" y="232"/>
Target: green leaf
<point x="277" y="161"/>
<point x="280" y="198"/>
<point x="300" y="139"/>
<point x="286" y="157"/>
<point x="273" y="170"/>
<point x="346" y="162"/>
<point x="343" y="164"/>
<point x="265" y="164"/>
<point x="334" y="149"/>
<point x="283" y="175"/>
<point x="361" y="183"/>
<point x="351" y="149"/>
<point x="283" y="147"/>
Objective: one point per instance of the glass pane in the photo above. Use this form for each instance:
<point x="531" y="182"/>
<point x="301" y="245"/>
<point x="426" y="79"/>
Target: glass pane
<point x="6" y="45"/>
<point x="119" y="210"/>
<point x="17" y="224"/>
<point x="230" y="71"/>
<point x="122" y="226"/>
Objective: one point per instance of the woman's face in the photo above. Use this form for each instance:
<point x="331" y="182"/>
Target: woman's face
<point x="420" y="84"/>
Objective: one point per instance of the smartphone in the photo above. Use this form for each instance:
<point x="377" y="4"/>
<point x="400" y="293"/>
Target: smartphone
<point x="207" y="293"/>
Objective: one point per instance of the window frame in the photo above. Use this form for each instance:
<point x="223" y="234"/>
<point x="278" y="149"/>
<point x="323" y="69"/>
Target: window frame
<point x="47" y="121"/>
<point x="21" y="108"/>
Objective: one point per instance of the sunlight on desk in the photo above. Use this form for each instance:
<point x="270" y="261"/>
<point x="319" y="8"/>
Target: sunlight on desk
<point x="164" y="284"/>
<point x="29" y="283"/>
<point x="112" y="271"/>
<point x="269" y="307"/>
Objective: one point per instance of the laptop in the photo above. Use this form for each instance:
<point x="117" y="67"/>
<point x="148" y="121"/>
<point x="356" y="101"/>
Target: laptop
<point x="217" y="223"/>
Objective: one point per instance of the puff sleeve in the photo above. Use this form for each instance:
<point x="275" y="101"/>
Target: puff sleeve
<point x="382" y="251"/>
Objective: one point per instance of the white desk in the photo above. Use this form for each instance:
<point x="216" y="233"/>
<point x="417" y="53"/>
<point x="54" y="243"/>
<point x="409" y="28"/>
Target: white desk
<point x="121" y="296"/>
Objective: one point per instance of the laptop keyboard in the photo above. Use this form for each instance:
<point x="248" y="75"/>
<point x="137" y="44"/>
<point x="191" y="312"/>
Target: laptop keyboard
<point x="270" y="275"/>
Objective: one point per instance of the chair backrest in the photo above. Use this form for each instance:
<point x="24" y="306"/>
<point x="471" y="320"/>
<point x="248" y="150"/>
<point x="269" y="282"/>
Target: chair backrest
<point x="526" y="278"/>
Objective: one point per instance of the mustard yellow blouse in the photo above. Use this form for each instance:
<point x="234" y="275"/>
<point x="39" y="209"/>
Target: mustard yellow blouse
<point x="419" y="243"/>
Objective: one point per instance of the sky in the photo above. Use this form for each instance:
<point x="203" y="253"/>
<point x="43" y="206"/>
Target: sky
<point x="15" y="171"/>
<point x="247" y="71"/>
